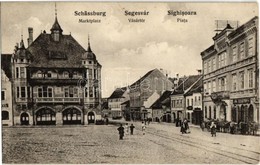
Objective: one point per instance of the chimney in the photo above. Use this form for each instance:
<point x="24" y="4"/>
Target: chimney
<point x="199" y="71"/>
<point x="30" y="39"/>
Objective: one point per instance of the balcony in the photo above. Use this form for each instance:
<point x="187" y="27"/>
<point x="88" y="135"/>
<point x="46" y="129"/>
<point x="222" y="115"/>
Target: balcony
<point x="68" y="81"/>
<point x="57" y="100"/>
<point x="219" y="96"/>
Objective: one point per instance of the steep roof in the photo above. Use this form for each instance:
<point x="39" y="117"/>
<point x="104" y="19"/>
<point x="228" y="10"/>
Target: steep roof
<point x="159" y="102"/>
<point x="6" y="64"/>
<point x="196" y="88"/>
<point x="142" y="78"/>
<point x="188" y="82"/>
<point x="127" y="103"/>
<point x="118" y="93"/>
<point x="56" y="26"/>
<point x="104" y="105"/>
<point x="65" y="53"/>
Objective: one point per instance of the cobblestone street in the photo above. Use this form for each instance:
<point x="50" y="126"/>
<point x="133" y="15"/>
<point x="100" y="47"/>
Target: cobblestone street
<point x="162" y="143"/>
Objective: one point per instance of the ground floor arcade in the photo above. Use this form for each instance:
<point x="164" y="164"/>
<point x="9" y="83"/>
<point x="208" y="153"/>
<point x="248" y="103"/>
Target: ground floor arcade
<point x="46" y="115"/>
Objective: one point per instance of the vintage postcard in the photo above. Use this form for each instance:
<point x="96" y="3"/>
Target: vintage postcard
<point x="130" y="82"/>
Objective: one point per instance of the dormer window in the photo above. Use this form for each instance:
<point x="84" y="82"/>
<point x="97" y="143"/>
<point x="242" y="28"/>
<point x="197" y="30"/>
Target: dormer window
<point x="66" y="74"/>
<point x="49" y="75"/>
<point x="56" y="36"/>
<point x="39" y="74"/>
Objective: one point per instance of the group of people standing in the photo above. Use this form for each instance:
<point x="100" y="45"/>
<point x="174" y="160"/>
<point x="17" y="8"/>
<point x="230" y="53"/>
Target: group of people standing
<point x="213" y="128"/>
<point x="122" y="130"/>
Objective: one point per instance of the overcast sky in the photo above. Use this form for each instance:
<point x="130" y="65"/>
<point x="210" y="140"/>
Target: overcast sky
<point x="126" y="50"/>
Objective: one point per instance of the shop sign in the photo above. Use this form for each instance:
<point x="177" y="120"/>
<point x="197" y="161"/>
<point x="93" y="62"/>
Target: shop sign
<point x="241" y="101"/>
<point x="189" y="107"/>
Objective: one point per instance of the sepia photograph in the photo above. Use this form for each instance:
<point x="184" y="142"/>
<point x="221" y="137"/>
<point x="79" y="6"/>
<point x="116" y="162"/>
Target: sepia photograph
<point x="130" y="82"/>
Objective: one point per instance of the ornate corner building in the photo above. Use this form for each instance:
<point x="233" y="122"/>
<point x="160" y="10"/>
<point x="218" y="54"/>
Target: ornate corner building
<point x="55" y="80"/>
<point x="231" y="74"/>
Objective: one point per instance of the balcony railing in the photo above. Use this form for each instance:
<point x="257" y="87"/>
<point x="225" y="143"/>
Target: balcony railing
<point x="41" y="81"/>
<point x="219" y="96"/>
<point x="57" y="100"/>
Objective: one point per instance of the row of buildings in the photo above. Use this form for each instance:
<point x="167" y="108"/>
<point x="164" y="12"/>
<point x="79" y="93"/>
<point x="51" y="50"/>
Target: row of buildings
<point x="54" y="81"/>
<point x="227" y="89"/>
<point x="158" y="98"/>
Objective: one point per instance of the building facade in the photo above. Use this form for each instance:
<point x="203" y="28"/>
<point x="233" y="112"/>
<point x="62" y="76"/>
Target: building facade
<point x="230" y="68"/>
<point x="143" y="88"/>
<point x="193" y="102"/>
<point x="55" y="80"/>
<point x="6" y="100"/>
<point x="119" y="96"/>
<point x="178" y="97"/>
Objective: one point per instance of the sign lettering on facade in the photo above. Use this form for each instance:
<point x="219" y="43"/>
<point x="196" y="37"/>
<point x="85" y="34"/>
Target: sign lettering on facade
<point x="241" y="101"/>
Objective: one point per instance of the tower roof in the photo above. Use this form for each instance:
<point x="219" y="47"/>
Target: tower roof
<point x="56" y="26"/>
<point x="89" y="55"/>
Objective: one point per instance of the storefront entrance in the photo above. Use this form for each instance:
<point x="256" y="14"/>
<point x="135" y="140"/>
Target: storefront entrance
<point x="71" y="116"/>
<point x="24" y="119"/>
<point x="91" y="117"/>
<point x="45" y="116"/>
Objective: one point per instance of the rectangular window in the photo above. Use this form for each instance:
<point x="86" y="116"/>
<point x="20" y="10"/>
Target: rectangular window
<point x="219" y="61"/>
<point x="209" y="66"/>
<point x="234" y="51"/>
<point x="95" y="74"/>
<point x="224" y="59"/>
<point x="241" y="50"/>
<point x="71" y="90"/>
<point x="234" y="82"/>
<point x="90" y="73"/>
<point x="45" y="91"/>
<point x="3" y="95"/>
<point x="96" y="92"/>
<point x="39" y="92"/>
<point x="17" y="72"/>
<point x="242" y="80"/>
<point x="86" y="93"/>
<point x="22" y="92"/>
<point x="250" y="46"/>
<point x="222" y="84"/>
<point x="209" y="87"/>
<point x="75" y="92"/>
<point x="213" y="86"/>
<point x="66" y="92"/>
<point x="250" y="78"/>
<point x="91" y="92"/>
<point x="213" y="64"/>
<point x="205" y="67"/>
<point x="205" y="87"/>
<point x="49" y="92"/>
<point x="22" y="72"/>
<point x="28" y="92"/>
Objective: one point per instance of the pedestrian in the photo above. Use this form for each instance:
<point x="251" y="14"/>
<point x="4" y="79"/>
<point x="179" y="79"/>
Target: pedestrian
<point x="121" y="132"/>
<point x="126" y="128"/>
<point x="132" y="129"/>
<point x="184" y="126"/>
<point x="202" y="125"/>
<point x="213" y="129"/>
<point x="143" y="128"/>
